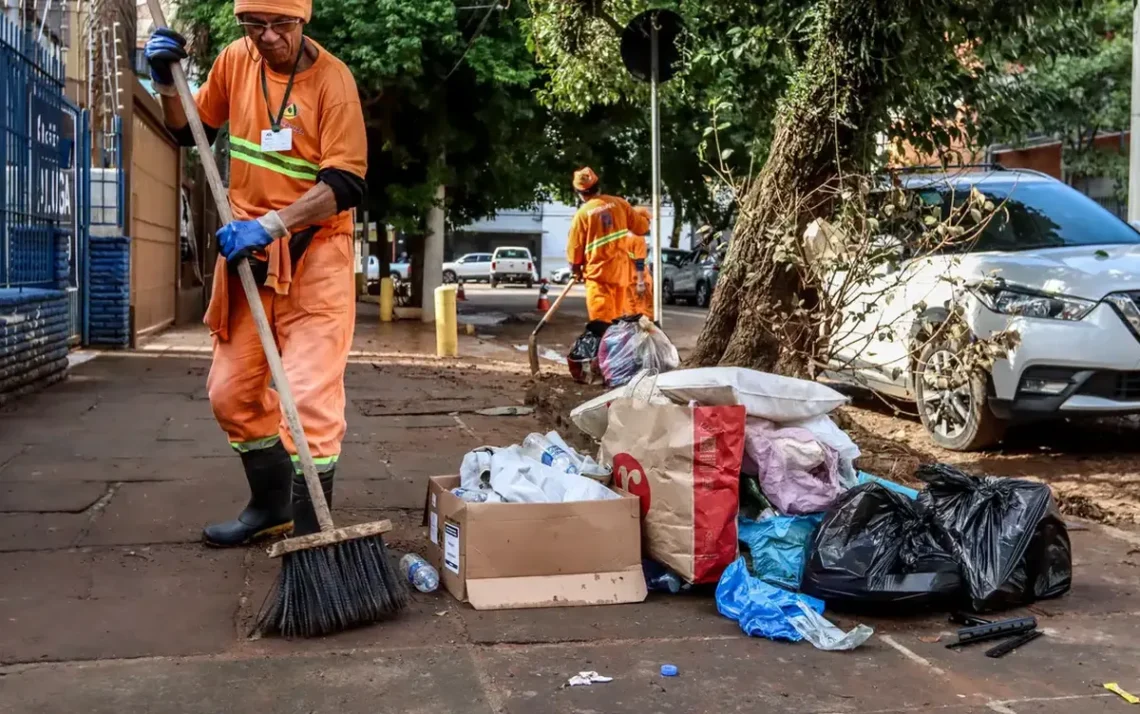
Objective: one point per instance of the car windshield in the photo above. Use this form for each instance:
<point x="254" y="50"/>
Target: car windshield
<point x="513" y="254"/>
<point x="1035" y="215"/>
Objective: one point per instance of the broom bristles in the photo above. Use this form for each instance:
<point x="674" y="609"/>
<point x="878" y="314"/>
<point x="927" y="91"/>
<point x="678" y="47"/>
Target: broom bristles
<point x="332" y="588"/>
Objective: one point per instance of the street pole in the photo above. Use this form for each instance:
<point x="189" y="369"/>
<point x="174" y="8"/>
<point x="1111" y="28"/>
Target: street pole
<point x="655" y="120"/>
<point x="1134" y="138"/>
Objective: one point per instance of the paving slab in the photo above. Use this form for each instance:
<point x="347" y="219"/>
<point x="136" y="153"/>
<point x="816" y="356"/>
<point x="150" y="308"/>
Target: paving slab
<point x="166" y="511"/>
<point x="392" y="492"/>
<point x="9" y="451"/>
<point x="201" y="427"/>
<point x="431" y="681"/>
<point x="40" y="465"/>
<point x="357" y="421"/>
<point x="425" y="464"/>
<point x="40" y="531"/>
<point x="53" y="496"/>
<point x="33" y="576"/>
<point x="734" y="675"/>
<point x="501" y="431"/>
<point x="660" y="616"/>
<point x="161" y="602"/>
<point x="361" y="461"/>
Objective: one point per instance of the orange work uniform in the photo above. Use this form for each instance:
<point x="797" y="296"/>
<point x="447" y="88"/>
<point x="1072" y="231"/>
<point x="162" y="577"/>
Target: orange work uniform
<point x="312" y="309"/>
<point x="638" y="251"/>
<point x="597" y="241"/>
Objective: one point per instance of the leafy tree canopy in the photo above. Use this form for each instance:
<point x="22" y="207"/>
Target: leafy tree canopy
<point x="1084" y="91"/>
<point x="448" y="95"/>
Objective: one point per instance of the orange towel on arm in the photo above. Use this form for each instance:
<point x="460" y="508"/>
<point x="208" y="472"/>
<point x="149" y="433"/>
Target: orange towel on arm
<point x="279" y="278"/>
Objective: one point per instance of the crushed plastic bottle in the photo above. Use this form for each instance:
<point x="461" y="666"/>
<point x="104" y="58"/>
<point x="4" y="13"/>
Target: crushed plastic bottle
<point x="541" y="449"/>
<point x="470" y="495"/>
<point x="660" y="579"/>
<point x="419" y="573"/>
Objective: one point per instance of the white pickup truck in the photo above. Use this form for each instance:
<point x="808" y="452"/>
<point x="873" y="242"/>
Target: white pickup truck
<point x="513" y="265"/>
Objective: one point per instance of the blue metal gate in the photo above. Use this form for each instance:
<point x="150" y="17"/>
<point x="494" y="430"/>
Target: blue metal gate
<point x="36" y="156"/>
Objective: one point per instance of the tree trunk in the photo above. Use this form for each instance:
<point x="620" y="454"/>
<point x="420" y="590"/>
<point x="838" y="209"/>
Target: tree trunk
<point x="818" y="134"/>
<point x="678" y="224"/>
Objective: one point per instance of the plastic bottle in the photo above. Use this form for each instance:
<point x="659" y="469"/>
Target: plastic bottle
<point x="419" y="573"/>
<point x="539" y="448"/>
<point x="469" y="495"/>
<point x="660" y="579"/>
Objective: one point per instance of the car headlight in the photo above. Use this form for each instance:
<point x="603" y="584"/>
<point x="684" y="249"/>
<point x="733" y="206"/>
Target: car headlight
<point x="1127" y="308"/>
<point x="1027" y="304"/>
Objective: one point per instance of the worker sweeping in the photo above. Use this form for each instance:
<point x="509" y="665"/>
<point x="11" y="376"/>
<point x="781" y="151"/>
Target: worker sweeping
<point x="597" y="248"/>
<point x="298" y="151"/>
<point x="639" y="296"/>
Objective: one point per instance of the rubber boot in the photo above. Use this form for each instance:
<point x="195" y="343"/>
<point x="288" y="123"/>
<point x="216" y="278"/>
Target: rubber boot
<point x="304" y="517"/>
<point x="269" y="511"/>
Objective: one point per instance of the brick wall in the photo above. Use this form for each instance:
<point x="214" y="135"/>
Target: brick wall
<point x="33" y="340"/>
<point x="110" y="301"/>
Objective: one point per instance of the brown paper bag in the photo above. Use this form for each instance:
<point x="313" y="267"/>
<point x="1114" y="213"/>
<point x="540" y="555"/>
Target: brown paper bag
<point x="684" y="465"/>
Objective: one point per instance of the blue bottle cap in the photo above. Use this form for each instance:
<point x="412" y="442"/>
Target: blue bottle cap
<point x="668" y="670"/>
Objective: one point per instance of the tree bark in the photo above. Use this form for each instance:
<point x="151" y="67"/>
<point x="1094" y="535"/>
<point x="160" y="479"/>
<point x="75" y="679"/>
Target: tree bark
<point x="818" y="136"/>
<point x="678" y="224"/>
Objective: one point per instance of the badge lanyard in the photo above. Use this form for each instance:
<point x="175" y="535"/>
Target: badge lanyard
<point x="275" y="125"/>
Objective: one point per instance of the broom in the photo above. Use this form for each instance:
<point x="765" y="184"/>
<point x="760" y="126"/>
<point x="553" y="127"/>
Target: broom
<point x="337" y="578"/>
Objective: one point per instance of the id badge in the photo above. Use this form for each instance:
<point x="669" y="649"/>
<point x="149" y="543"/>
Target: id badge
<point x="281" y="140"/>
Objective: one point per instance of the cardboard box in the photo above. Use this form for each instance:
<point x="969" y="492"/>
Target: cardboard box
<point x="502" y="556"/>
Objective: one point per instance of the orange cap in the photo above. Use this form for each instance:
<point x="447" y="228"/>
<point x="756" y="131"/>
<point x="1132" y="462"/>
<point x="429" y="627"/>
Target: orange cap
<point x="644" y="210"/>
<point x="292" y="8"/>
<point x="585" y="179"/>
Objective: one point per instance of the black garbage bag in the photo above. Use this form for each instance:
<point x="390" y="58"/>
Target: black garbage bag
<point x="1007" y="534"/>
<point x="583" y="357"/>
<point x="875" y="548"/>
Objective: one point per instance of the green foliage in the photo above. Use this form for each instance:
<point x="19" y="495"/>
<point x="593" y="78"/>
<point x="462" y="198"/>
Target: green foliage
<point x="448" y="95"/>
<point x="734" y="72"/>
<point x="1084" y="91"/>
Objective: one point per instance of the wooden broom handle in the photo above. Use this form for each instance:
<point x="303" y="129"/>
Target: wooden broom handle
<point x="276" y="368"/>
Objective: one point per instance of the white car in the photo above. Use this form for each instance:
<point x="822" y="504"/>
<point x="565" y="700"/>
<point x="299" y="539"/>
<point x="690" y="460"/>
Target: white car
<point x="469" y="268"/>
<point x="1055" y="266"/>
<point x="513" y="265"/>
<point x="396" y="271"/>
<point x="561" y="276"/>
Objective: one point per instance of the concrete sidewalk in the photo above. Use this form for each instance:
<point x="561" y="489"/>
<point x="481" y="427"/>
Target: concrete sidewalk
<point x="108" y="604"/>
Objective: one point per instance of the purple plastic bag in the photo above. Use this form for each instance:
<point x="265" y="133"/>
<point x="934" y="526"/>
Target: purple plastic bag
<point x="798" y="474"/>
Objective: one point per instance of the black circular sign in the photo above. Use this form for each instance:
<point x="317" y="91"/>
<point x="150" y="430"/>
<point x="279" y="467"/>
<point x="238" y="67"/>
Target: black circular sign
<point x="636" y="44"/>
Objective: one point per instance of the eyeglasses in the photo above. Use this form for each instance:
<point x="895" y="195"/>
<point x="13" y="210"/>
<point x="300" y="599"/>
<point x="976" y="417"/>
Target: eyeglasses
<point x="257" y="29"/>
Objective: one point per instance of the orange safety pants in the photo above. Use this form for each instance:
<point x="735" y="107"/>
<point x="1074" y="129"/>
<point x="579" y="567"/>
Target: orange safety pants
<point x="605" y="301"/>
<point x="313" y="325"/>
<point x="640" y="304"/>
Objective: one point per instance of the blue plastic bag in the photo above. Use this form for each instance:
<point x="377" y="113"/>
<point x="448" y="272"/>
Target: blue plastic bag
<point x="760" y="609"/>
<point x="889" y="485"/>
<point x="778" y="545"/>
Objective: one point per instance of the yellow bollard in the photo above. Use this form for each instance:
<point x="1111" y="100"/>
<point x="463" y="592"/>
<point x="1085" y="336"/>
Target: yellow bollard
<point x="446" y="323"/>
<point x="387" y="298"/>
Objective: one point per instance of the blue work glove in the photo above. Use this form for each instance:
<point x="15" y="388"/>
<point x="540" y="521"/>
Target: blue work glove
<point x="241" y="239"/>
<point x="164" y="47"/>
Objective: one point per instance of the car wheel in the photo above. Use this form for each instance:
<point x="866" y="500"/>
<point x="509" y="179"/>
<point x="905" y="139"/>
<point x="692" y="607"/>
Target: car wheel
<point x="529" y="284"/>
<point x="667" y="296"/>
<point x="704" y="295"/>
<point x="494" y="283"/>
<point x="449" y="277"/>
<point x="953" y="407"/>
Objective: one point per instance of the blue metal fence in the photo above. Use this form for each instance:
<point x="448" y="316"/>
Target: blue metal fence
<point x="36" y="155"/>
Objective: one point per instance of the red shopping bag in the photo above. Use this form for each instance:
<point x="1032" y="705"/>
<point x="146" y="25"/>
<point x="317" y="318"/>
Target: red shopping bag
<point x="684" y="465"/>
